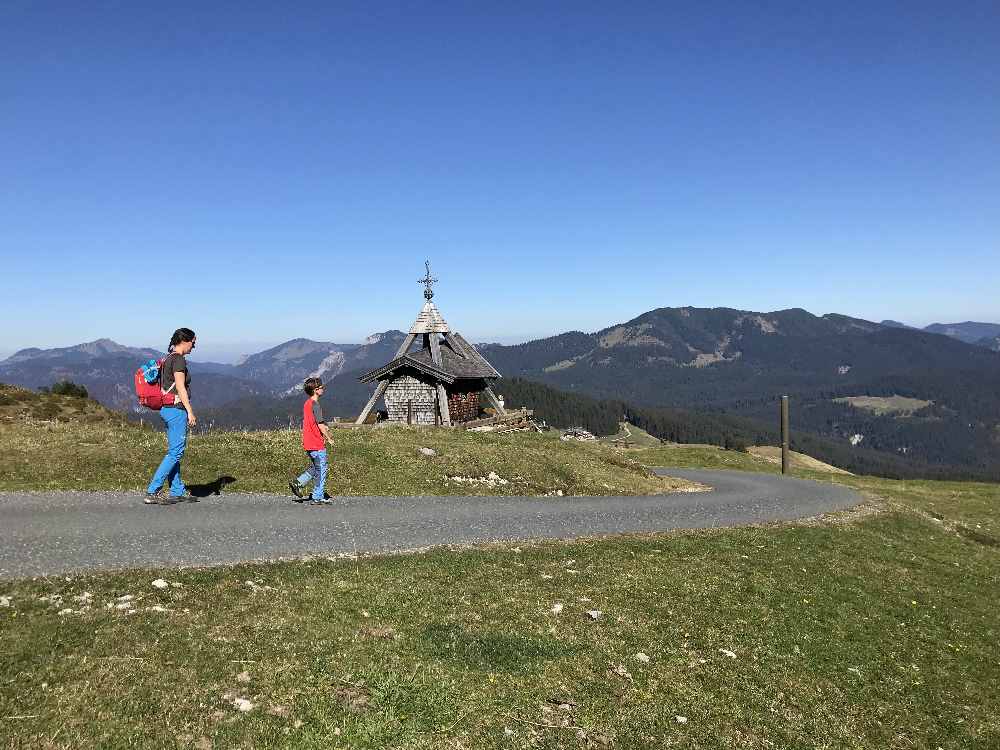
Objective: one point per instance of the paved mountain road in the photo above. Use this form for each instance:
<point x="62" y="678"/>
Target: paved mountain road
<point x="63" y="532"/>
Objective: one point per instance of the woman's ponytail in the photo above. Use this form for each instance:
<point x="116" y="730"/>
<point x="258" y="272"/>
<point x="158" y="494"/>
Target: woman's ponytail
<point x="180" y="335"/>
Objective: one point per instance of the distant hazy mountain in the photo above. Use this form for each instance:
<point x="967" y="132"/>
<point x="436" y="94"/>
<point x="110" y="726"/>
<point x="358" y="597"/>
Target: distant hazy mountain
<point x="87" y="352"/>
<point x="970" y="331"/>
<point x="990" y="342"/>
<point x="285" y="366"/>
<point x="720" y="360"/>
<point x="740" y="362"/>
<point x="676" y="355"/>
<point x="720" y="356"/>
<point x="106" y="368"/>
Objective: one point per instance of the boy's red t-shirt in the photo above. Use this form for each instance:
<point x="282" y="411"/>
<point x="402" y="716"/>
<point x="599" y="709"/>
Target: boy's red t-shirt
<point x="312" y="415"/>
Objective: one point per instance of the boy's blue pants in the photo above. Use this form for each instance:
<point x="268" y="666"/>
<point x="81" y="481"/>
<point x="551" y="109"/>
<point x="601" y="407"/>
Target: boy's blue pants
<point x="170" y="467"/>
<point x="315" y="473"/>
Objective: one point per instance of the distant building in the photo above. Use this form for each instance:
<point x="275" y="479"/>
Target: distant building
<point x="440" y="382"/>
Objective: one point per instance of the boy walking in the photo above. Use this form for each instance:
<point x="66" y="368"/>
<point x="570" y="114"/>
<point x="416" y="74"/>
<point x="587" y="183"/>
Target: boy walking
<point x="315" y="435"/>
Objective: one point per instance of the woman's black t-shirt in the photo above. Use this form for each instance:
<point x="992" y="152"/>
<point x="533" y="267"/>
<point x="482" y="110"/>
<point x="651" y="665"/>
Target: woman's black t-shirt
<point x="173" y="364"/>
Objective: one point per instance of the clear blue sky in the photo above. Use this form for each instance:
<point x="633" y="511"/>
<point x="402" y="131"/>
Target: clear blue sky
<point x="265" y="171"/>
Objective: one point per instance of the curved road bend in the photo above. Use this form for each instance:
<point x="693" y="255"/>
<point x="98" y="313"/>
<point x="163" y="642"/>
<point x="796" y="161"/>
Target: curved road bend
<point x="55" y="533"/>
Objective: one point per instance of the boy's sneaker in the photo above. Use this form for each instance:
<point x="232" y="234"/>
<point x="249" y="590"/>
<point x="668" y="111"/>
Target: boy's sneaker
<point x="297" y="490"/>
<point x="324" y="501"/>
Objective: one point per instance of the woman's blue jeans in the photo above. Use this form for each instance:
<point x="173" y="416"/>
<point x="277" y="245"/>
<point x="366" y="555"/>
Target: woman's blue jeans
<point x="170" y="468"/>
<point x="315" y="473"/>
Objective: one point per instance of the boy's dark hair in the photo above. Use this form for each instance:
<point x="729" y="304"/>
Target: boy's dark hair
<point x="180" y="335"/>
<point x="311" y="385"/>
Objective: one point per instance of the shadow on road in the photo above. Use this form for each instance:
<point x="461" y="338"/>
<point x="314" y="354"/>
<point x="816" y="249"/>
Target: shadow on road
<point x="210" y="488"/>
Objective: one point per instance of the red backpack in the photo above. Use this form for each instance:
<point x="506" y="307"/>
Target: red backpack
<point x="147" y="386"/>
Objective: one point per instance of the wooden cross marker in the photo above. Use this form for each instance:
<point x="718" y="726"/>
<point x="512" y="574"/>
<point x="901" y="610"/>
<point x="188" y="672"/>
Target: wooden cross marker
<point x="427" y="281"/>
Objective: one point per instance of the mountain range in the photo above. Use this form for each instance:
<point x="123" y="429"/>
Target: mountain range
<point x="971" y="332"/>
<point x="717" y="360"/>
<point x="105" y="368"/>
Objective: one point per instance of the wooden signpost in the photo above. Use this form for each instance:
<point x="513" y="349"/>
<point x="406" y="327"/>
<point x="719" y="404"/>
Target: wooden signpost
<point x="784" y="434"/>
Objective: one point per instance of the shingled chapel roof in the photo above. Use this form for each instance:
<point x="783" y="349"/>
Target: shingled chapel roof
<point x="459" y="360"/>
<point x="443" y="357"/>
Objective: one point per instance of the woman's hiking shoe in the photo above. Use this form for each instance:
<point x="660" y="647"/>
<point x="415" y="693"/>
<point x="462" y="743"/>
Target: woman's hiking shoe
<point x="156" y="499"/>
<point x="297" y="490"/>
<point x="324" y="501"/>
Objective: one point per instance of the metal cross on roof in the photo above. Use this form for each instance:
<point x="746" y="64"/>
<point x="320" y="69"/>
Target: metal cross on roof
<point x="427" y="281"/>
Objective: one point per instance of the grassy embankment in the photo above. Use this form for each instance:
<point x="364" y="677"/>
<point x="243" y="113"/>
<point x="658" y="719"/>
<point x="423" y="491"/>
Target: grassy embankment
<point x="62" y="443"/>
<point x="875" y="629"/>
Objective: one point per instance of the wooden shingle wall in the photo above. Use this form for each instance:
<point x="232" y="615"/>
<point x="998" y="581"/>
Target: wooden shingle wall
<point x="405" y="388"/>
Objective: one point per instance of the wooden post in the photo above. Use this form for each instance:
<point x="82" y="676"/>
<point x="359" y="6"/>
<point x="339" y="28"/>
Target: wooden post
<point x="403" y="349"/>
<point x="443" y="402"/>
<point x="409" y="411"/>
<point x="371" y="402"/>
<point x="784" y="434"/>
<point x="494" y="401"/>
<point x="435" y="347"/>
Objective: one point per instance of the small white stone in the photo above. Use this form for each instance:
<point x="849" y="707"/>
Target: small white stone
<point x="681" y="719"/>
<point x="642" y="658"/>
<point x="594" y="614"/>
<point x="65" y="611"/>
<point x="5" y="601"/>
<point x="126" y="598"/>
<point x="727" y="652"/>
<point x="557" y="608"/>
<point x="160" y="584"/>
<point x="243" y="704"/>
<point x="622" y="672"/>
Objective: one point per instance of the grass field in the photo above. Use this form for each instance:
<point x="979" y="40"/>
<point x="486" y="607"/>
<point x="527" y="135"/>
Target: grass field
<point x="900" y="405"/>
<point x="105" y="452"/>
<point x="874" y="629"/>
<point x="635" y="436"/>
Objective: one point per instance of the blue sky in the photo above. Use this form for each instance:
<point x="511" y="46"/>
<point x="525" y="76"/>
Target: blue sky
<point x="260" y="171"/>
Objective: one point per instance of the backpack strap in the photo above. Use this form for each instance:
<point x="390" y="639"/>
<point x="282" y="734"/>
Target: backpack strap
<point x="172" y="385"/>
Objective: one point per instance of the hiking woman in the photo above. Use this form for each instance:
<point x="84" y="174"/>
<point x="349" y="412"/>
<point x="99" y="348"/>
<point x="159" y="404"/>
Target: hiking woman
<point x="178" y="416"/>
